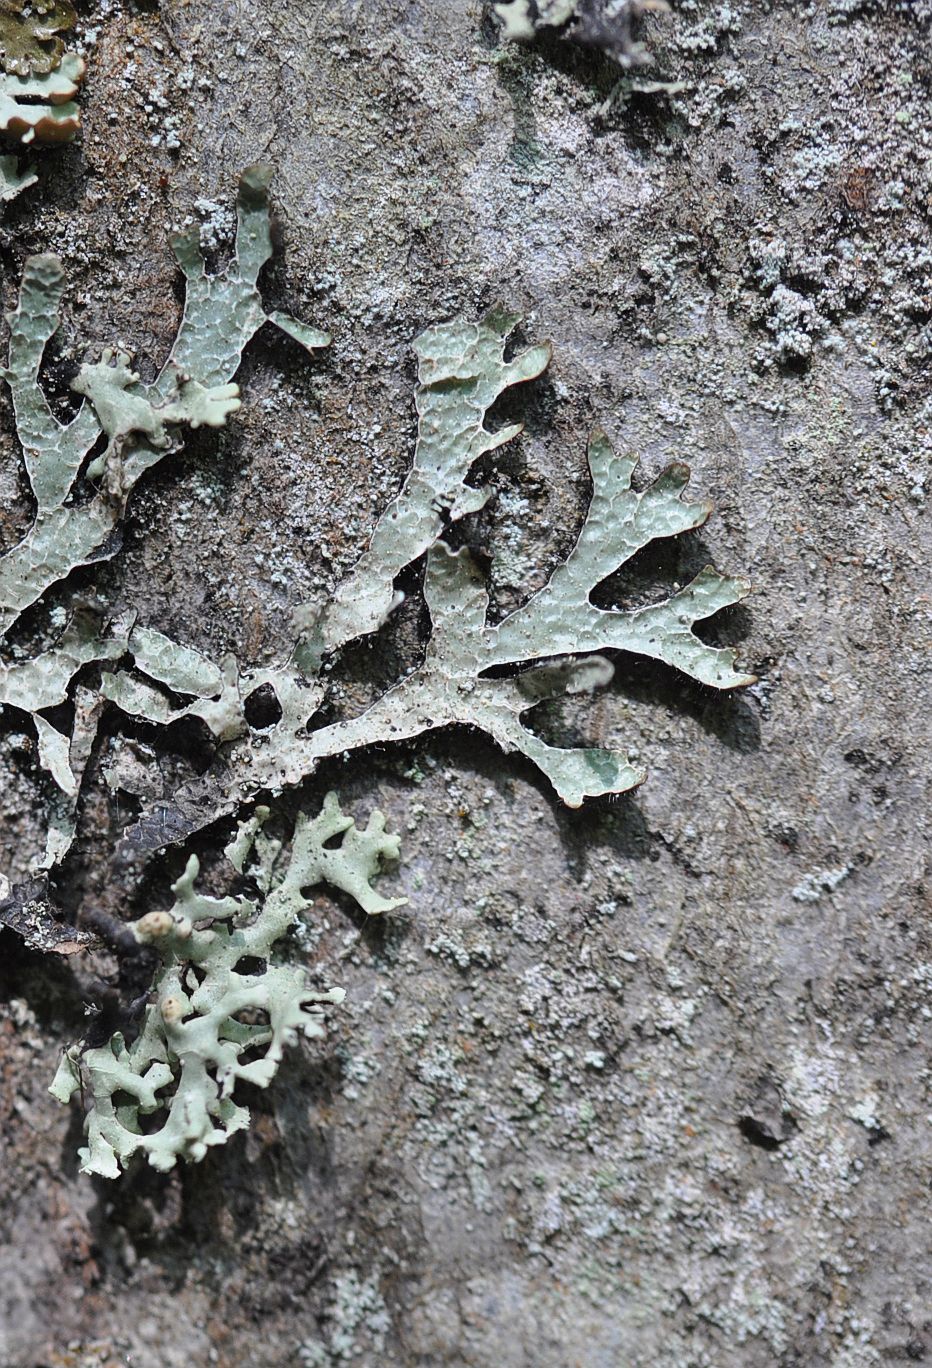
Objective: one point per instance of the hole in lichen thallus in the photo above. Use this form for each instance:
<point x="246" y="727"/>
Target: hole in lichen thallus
<point x="262" y="708"/>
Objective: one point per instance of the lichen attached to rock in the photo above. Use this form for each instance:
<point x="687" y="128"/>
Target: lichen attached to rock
<point x="225" y="1003"/>
<point x="475" y="673"/>
<point x="222" y="314"/>
<point x="30" y="30"/>
<point x="40" y="107"/>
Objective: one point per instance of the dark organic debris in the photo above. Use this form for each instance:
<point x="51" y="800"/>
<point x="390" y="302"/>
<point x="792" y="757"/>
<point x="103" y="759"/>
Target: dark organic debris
<point x="28" y="911"/>
<point x="766" y="1121"/>
<point x="606" y="25"/>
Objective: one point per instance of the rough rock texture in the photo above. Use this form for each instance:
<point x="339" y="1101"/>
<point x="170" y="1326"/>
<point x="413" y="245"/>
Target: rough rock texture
<point x="646" y="1083"/>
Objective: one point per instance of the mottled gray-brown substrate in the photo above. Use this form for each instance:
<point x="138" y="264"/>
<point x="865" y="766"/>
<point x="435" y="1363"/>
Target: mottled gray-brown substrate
<point x="643" y="1084"/>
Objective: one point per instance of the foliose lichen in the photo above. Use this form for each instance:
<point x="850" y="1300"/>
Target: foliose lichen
<point x="222" y="314"/>
<point x="194" y="1043"/>
<point x="29" y="34"/>
<point x="40" y="107"/>
<point x="194" y="388"/>
<point x="462" y="371"/>
<point x="223" y="1006"/>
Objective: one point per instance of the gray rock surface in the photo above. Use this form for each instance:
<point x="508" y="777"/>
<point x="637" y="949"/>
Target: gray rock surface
<point x="642" y="1084"/>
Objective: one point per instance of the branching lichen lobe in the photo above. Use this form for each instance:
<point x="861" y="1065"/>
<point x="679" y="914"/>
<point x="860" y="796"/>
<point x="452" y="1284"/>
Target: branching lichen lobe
<point x="223" y="1007"/>
<point x="195" y="1042"/>
<point x="222" y="314"/>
